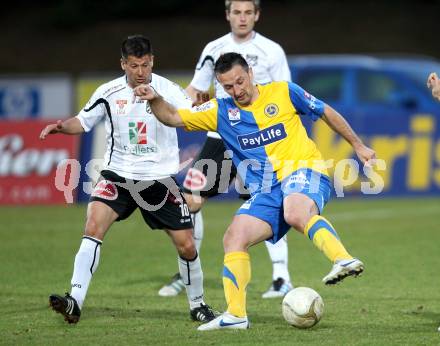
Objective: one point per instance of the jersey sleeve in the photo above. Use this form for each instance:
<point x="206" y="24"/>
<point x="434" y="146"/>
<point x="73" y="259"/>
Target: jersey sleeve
<point x="305" y="103"/>
<point x="200" y="118"/>
<point x="93" y="111"/>
<point x="178" y="97"/>
<point x="279" y="70"/>
<point x="204" y="73"/>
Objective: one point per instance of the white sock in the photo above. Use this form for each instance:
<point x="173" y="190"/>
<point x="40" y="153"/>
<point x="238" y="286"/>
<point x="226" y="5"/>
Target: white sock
<point x="197" y="219"/>
<point x="279" y="256"/>
<point x="86" y="262"/>
<point x="192" y="276"/>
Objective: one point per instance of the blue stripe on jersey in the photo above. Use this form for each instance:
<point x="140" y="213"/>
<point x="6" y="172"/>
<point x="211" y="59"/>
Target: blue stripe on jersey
<point x="232" y="126"/>
<point x="305" y="103"/>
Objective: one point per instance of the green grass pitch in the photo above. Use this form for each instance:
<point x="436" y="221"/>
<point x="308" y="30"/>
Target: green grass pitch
<point x="395" y="302"/>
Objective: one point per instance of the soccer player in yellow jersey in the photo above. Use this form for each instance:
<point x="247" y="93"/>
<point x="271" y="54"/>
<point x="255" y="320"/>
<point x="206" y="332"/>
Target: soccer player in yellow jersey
<point x="279" y="164"/>
<point x="269" y="64"/>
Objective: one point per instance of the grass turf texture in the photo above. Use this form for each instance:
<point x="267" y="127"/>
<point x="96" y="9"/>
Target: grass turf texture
<point x="395" y="302"/>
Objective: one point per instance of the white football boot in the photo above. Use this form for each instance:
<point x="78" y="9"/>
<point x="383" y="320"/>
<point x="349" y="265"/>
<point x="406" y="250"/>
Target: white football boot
<point x="172" y="289"/>
<point x="226" y="321"/>
<point x="278" y="289"/>
<point x="343" y="268"/>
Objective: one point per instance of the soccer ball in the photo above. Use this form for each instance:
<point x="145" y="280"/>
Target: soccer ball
<point x="302" y="307"/>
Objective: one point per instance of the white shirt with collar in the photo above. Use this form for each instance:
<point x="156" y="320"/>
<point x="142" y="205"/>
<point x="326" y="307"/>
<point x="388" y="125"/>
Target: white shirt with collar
<point x="138" y="146"/>
<point x="266" y="58"/>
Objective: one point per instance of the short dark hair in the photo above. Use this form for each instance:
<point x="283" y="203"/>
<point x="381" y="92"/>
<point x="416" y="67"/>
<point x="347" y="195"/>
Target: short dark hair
<point x="227" y="61"/>
<point x="136" y="45"/>
<point x="255" y="2"/>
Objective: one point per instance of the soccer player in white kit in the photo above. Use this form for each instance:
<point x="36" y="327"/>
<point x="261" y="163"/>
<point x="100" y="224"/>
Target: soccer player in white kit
<point x="269" y="63"/>
<point x="141" y="158"/>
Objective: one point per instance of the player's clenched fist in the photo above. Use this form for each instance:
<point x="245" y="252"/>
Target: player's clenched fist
<point x="144" y="92"/>
<point x="366" y="155"/>
<point x="201" y="97"/>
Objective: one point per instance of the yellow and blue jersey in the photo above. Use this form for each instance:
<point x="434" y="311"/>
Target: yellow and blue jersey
<point x="267" y="138"/>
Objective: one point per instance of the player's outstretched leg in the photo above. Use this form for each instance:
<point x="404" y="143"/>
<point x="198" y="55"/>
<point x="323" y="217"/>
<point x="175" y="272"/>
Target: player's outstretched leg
<point x="324" y="236"/>
<point x="281" y="283"/>
<point x="343" y="268"/>
<point x="86" y="263"/>
<point x="176" y="285"/>
<point x="66" y="306"/>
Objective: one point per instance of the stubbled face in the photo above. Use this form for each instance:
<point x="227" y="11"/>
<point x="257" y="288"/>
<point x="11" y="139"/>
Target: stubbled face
<point x="242" y="18"/>
<point x="137" y="70"/>
<point x="237" y="82"/>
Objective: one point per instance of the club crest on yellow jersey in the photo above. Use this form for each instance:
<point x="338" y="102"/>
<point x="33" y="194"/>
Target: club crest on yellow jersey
<point x="271" y="110"/>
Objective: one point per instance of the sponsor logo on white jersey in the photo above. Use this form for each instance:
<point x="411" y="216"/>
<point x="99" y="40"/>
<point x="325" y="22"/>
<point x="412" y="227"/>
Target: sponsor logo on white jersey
<point x="120" y="110"/>
<point x="140" y="149"/>
<point x="138" y="139"/>
<point x="137" y="131"/>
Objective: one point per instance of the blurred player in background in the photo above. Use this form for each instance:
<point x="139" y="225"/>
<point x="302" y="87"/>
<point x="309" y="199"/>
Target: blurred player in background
<point x="289" y="180"/>
<point x="141" y="157"/>
<point x="434" y="84"/>
<point x="269" y="63"/>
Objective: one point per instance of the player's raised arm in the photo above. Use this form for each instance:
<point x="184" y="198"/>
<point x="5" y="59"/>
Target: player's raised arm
<point x="70" y="126"/>
<point x="338" y="124"/>
<point x="163" y="111"/>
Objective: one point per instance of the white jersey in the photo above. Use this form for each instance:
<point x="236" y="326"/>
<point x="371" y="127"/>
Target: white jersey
<point x="138" y="146"/>
<point x="266" y="58"/>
